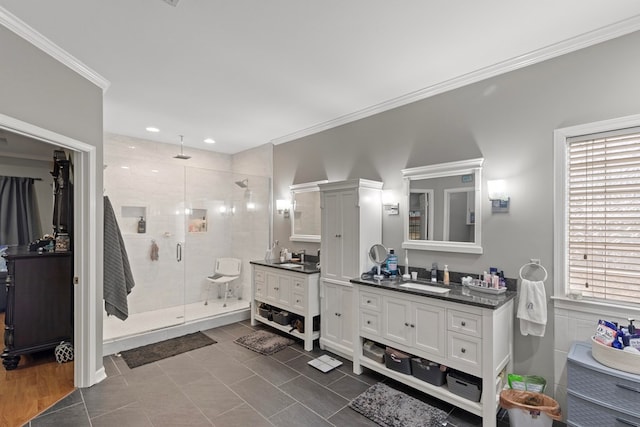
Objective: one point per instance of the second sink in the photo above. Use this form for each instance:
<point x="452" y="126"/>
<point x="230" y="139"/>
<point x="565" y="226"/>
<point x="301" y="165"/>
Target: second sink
<point x="422" y="287"/>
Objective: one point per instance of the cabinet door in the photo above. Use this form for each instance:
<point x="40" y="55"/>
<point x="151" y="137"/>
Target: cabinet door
<point x="331" y="306"/>
<point x="396" y="320"/>
<point x="428" y="324"/>
<point x="346" y="317"/>
<point x="279" y="289"/>
<point x="331" y="235"/>
<point x="349" y="240"/>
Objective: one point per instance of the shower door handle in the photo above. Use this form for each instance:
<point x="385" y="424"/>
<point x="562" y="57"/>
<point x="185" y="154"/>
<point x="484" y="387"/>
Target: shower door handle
<point x="179" y="252"/>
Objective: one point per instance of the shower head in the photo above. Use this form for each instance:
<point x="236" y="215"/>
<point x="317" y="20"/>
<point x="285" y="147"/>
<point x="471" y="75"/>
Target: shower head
<point x="243" y="184"/>
<point x="181" y="156"/>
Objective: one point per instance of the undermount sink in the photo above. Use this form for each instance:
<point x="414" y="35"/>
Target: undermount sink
<point x="290" y="265"/>
<point x="422" y="287"/>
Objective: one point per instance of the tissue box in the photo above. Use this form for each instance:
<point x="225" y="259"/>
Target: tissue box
<point x="428" y="371"/>
<point x="397" y="360"/>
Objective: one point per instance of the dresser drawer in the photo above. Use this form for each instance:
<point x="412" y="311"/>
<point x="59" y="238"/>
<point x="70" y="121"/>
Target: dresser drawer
<point x="297" y="300"/>
<point x="599" y="386"/>
<point x="584" y="413"/>
<point x="258" y="276"/>
<point x="466" y="350"/>
<point x="464" y="323"/>
<point x="259" y="292"/>
<point x="370" y="301"/>
<point x="370" y="323"/>
<point x="299" y="286"/>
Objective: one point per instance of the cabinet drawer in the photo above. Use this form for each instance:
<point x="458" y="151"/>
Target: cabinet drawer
<point x="594" y="385"/>
<point x="583" y="413"/>
<point x="297" y="300"/>
<point x="465" y="349"/>
<point x="370" y="322"/>
<point x="464" y="323"/>
<point x="259" y="292"/>
<point x="370" y="301"/>
<point x="299" y="286"/>
<point x="259" y="276"/>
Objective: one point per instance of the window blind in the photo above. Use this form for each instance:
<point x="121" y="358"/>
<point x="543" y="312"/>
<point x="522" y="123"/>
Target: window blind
<point x="603" y="207"/>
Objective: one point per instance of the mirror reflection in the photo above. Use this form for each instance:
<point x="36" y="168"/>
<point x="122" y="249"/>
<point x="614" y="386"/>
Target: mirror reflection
<point x="443" y="204"/>
<point x="378" y="254"/>
<point x="305" y="221"/>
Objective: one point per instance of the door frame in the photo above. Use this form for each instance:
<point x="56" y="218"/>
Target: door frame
<point x="88" y="369"/>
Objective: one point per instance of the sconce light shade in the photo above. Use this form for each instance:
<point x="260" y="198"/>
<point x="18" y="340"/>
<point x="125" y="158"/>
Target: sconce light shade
<point x="283" y="205"/>
<point x="497" y="190"/>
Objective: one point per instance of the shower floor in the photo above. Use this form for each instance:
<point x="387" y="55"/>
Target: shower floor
<point x="138" y="323"/>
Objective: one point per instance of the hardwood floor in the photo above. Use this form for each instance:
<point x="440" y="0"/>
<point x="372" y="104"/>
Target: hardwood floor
<point x="37" y="383"/>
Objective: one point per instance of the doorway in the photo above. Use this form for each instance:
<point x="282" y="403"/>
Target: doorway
<point x="88" y="368"/>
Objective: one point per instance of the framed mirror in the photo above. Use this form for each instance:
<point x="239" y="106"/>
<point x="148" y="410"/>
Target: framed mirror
<point x="444" y="207"/>
<point x="305" y="202"/>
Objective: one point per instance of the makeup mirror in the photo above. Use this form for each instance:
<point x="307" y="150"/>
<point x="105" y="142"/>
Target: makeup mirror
<point x="378" y="254"/>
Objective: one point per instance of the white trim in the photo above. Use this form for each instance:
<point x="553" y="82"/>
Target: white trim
<point x="560" y="137"/>
<point x="22" y="29"/>
<point x="582" y="41"/>
<point x="86" y="333"/>
<point x="305" y="187"/>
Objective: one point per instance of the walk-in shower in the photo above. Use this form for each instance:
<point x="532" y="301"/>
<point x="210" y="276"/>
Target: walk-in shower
<point x="194" y="215"/>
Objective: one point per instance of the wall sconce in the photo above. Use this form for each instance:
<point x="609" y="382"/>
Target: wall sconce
<point x="282" y="206"/>
<point x="389" y="203"/>
<point x="497" y="190"/>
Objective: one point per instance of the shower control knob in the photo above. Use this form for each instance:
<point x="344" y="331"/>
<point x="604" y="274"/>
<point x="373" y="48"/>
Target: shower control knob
<point x="463" y="350"/>
<point x="406" y="324"/>
<point x="464" y="323"/>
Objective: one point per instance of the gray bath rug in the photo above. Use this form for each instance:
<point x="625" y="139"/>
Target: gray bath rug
<point x="163" y="349"/>
<point x="264" y="342"/>
<point x="392" y="408"/>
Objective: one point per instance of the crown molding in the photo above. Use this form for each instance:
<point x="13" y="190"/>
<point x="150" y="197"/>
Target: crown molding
<point x="20" y="28"/>
<point x="591" y="38"/>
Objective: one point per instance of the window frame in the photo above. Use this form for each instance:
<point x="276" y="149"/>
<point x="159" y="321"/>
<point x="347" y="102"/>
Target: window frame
<point x="561" y="299"/>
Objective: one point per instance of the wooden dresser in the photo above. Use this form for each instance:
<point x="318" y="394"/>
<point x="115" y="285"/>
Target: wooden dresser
<point x="39" y="313"/>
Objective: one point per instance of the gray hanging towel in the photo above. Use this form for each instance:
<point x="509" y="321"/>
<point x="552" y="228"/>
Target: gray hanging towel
<point x="118" y="280"/>
<point x="154" y="251"/>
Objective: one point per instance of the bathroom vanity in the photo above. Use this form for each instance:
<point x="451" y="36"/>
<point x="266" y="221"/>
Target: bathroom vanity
<point x="463" y="330"/>
<point x="287" y="287"/>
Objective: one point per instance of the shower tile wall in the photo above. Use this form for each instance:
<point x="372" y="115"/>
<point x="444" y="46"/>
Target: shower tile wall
<point x="148" y="177"/>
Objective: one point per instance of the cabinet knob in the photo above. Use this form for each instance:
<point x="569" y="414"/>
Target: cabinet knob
<point x="368" y="322"/>
<point x="368" y="301"/>
<point x="413" y="326"/>
<point x="276" y="288"/>
<point x="463" y="350"/>
<point x="406" y="324"/>
<point x="297" y="300"/>
<point x="338" y="235"/>
<point x="463" y="323"/>
<point x="339" y="314"/>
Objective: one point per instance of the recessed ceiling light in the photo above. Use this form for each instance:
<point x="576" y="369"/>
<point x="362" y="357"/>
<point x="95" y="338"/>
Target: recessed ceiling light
<point x="210" y="141"/>
<point x="153" y="129"/>
<point x="155" y="170"/>
<point x="124" y="167"/>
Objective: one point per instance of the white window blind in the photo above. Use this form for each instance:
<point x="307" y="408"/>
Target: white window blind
<point x="603" y="204"/>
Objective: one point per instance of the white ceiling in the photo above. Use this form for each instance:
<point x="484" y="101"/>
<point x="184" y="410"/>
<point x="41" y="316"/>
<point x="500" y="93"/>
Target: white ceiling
<point x="248" y="72"/>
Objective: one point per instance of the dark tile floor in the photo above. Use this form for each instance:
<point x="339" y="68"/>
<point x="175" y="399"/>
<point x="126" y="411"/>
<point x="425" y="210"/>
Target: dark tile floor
<point x="225" y="384"/>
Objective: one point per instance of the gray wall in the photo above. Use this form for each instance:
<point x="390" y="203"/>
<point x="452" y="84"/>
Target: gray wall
<point x="508" y="120"/>
<point x="39" y="90"/>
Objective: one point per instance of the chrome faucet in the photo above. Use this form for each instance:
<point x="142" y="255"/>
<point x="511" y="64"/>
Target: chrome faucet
<point x="301" y="254"/>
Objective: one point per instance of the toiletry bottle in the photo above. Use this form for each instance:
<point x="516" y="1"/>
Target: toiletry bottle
<point x="434" y="272"/>
<point x="142" y="225"/>
<point x="392" y="263"/>
<point x="486" y="279"/>
<point x="445" y="279"/>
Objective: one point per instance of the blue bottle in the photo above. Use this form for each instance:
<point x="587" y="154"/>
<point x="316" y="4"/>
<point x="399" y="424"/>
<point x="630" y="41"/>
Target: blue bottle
<point x="392" y="263"/>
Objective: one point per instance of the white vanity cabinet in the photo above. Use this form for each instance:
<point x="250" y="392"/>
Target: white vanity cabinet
<point x="287" y="290"/>
<point x="469" y="338"/>
<point x="351" y="215"/>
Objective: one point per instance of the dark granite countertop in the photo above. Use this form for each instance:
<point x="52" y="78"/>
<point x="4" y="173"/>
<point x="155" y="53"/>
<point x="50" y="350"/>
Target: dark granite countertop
<point x="305" y="268"/>
<point x="457" y="293"/>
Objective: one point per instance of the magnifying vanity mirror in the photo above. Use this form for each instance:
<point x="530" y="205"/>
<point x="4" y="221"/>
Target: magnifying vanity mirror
<point x="378" y="254"/>
<point x="305" y="221"/>
<point x="444" y="207"/>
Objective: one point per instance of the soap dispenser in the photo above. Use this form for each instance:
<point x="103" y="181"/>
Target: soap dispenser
<point x="142" y="225"/>
<point x="446" y="275"/>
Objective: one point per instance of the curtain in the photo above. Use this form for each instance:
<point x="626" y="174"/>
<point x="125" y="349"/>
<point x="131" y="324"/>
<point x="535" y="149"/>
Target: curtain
<point x="19" y="215"/>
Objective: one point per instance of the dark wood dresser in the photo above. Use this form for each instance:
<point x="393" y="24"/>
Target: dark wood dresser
<point x="39" y="313"/>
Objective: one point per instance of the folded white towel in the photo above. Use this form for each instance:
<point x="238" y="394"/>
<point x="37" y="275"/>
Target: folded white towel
<point x="532" y="308"/>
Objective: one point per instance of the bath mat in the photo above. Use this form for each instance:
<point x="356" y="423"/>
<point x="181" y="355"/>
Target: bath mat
<point x="392" y="408"/>
<point x="163" y="349"/>
<point x="264" y="342"/>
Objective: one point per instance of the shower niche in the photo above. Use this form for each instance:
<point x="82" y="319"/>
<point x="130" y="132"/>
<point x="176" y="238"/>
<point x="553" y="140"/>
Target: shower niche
<point x="197" y="221"/>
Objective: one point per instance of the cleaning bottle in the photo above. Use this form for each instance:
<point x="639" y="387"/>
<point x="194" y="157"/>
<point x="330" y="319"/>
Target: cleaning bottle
<point x="445" y="279"/>
<point x="392" y="263"/>
<point x="142" y="225"/>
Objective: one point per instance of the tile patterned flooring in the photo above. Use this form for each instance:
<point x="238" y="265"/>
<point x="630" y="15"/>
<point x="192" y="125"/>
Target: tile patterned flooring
<point x="225" y="384"/>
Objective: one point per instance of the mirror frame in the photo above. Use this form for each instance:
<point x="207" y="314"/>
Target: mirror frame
<point x="463" y="167"/>
<point x="306" y="187"/>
